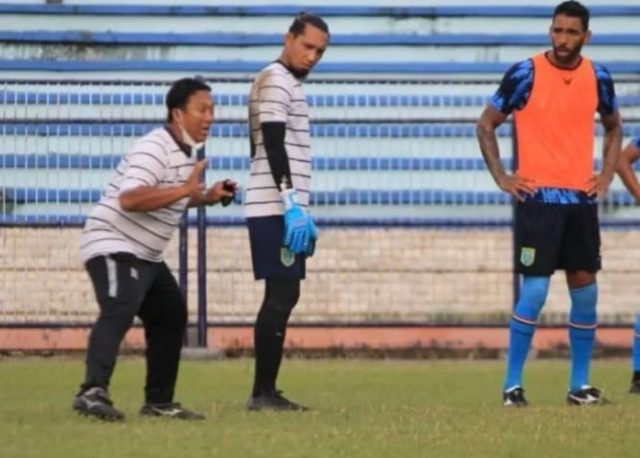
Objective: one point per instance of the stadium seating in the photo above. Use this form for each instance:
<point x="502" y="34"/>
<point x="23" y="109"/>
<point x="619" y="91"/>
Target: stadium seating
<point x="393" y="103"/>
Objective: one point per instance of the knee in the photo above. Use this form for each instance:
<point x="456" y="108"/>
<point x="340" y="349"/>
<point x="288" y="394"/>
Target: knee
<point x="179" y="319"/>
<point x="120" y="314"/>
<point x="282" y="295"/>
<point x="172" y="316"/>
<point x="580" y="279"/>
<point x="272" y="320"/>
<point x="533" y="295"/>
<point x="583" y="303"/>
<point x="279" y="301"/>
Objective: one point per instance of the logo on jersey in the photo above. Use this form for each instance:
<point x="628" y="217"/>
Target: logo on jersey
<point x="527" y="256"/>
<point x="567" y="81"/>
<point x="287" y="258"/>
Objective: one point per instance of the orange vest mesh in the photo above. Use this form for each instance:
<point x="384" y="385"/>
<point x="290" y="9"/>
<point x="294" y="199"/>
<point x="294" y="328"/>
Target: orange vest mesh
<point x="555" y="130"/>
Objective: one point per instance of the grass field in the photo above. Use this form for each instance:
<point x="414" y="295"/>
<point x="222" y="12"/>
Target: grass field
<point x="361" y="408"/>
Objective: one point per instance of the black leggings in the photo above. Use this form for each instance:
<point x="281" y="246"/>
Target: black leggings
<point x="281" y="296"/>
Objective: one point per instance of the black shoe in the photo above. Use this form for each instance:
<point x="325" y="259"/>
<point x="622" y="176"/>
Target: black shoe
<point x="586" y="396"/>
<point x="95" y="402"/>
<point x="273" y="400"/>
<point x="514" y="398"/>
<point x="170" y="410"/>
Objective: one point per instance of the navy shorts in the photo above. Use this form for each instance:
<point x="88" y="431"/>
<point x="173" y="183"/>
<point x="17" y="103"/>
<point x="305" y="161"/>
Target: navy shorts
<point x="271" y="259"/>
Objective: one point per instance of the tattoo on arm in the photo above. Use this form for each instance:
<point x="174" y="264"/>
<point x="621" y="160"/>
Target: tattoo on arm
<point x="612" y="143"/>
<point x="486" y="133"/>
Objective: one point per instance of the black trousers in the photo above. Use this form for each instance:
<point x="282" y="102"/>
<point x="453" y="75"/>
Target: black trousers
<point x="125" y="287"/>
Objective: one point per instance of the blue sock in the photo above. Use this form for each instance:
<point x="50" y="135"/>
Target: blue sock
<point x="636" y="345"/>
<point x="582" y="333"/>
<point x="533" y="294"/>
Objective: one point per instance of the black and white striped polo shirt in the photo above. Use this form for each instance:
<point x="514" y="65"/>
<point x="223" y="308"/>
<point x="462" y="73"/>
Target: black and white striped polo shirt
<point x="155" y="160"/>
<point x="277" y="96"/>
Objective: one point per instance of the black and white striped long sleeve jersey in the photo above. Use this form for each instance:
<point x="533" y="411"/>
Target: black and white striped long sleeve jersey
<point x="277" y="96"/>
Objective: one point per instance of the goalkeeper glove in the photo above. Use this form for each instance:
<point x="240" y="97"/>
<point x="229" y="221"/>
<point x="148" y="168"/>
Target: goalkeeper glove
<point x="313" y="236"/>
<point x="297" y="228"/>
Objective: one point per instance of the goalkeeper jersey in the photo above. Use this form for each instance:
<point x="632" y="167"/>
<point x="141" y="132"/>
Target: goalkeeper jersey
<point x="277" y="96"/>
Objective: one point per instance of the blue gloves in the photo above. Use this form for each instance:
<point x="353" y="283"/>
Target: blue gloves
<point x="313" y="236"/>
<point x="300" y="231"/>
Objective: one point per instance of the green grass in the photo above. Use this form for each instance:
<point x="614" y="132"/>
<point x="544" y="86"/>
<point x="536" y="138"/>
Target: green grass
<point x="361" y="408"/>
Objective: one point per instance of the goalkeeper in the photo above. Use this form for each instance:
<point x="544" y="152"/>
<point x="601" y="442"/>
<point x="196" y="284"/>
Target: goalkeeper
<point x="279" y="185"/>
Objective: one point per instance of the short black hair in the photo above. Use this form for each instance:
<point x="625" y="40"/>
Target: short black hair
<point x="573" y="9"/>
<point x="304" y="18"/>
<point x="180" y="91"/>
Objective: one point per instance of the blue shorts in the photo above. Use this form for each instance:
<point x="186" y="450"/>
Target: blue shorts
<point x="271" y="259"/>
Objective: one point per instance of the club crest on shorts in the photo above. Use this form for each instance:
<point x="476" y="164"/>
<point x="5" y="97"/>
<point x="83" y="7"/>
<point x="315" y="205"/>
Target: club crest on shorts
<point x="287" y="258"/>
<point x="527" y="256"/>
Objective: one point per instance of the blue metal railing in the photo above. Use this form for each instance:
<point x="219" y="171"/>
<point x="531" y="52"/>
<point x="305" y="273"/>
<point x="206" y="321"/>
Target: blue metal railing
<point x="323" y="10"/>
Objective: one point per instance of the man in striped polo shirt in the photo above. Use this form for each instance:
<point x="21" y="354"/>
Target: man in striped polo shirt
<point x="122" y="245"/>
<point x="281" y="231"/>
<point x="554" y="97"/>
<point x="628" y="158"/>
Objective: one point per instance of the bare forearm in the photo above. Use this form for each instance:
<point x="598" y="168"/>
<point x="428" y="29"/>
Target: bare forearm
<point x="490" y="151"/>
<point x="628" y="157"/>
<point x="611" y="153"/>
<point x="629" y="178"/>
<point x="200" y="200"/>
<point x="148" y="198"/>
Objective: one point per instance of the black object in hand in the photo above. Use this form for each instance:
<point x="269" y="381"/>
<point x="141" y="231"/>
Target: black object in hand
<point x="228" y="186"/>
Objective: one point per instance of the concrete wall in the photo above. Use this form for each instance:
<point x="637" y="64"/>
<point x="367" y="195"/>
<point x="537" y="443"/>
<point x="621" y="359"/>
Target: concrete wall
<point x="423" y="275"/>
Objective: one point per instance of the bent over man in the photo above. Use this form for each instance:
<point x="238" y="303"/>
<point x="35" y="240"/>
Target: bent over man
<point x="122" y="245"/>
